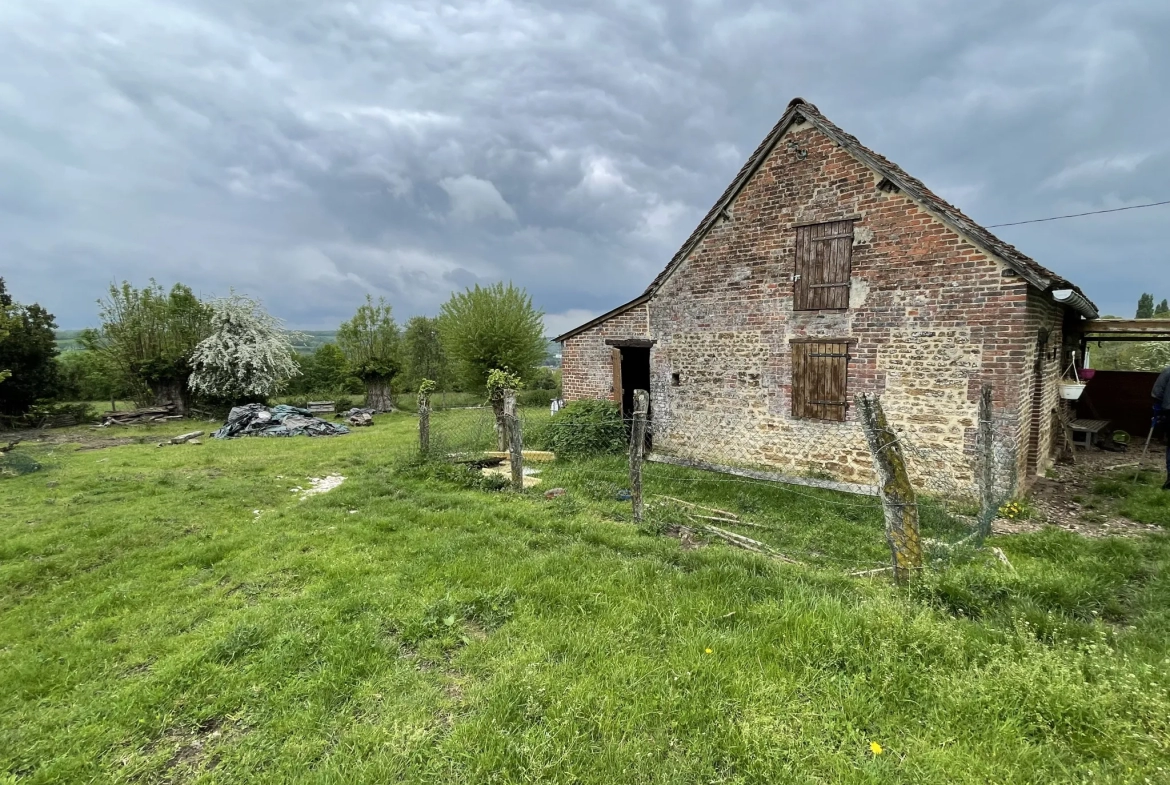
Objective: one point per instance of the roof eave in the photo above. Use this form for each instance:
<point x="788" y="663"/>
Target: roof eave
<point x="604" y="317"/>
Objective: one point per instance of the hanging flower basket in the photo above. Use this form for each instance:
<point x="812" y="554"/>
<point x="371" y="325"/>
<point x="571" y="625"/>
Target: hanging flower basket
<point x="1071" y="389"/>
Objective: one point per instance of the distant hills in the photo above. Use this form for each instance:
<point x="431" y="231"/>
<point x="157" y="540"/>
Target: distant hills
<point x="67" y="340"/>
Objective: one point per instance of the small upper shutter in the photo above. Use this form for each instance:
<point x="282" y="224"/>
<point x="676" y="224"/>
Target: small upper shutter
<point x="820" y="373"/>
<point x="824" y="260"/>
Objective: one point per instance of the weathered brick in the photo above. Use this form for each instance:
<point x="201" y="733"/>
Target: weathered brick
<point x="933" y="316"/>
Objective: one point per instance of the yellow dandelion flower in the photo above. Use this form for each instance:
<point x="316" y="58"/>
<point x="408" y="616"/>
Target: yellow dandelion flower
<point x="875" y="748"/>
<point x="708" y="651"/>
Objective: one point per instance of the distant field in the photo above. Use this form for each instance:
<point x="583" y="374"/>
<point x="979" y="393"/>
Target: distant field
<point x="67" y="340"/>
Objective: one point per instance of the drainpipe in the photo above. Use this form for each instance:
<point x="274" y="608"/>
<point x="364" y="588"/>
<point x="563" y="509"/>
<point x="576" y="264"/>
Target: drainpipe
<point x="1075" y="300"/>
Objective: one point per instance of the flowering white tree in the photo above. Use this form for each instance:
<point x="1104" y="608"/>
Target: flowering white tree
<point x="1152" y="356"/>
<point x="247" y="354"/>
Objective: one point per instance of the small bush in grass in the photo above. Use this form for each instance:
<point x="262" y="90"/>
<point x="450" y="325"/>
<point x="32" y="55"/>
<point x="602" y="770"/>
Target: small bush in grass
<point x="586" y="428"/>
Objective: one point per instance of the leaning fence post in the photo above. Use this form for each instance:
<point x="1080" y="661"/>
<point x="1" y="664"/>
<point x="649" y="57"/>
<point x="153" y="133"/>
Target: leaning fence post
<point x="987" y="506"/>
<point x="638" y="450"/>
<point x="515" y="439"/>
<point x="898" y="499"/>
<point x="424" y="416"/>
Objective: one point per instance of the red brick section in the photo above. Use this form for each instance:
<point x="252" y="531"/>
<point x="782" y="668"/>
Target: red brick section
<point x="587" y="371"/>
<point x="915" y="282"/>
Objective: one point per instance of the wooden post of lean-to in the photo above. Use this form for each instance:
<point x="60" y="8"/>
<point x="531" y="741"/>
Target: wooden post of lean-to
<point x="515" y="439"/>
<point x="638" y="450"/>
<point x="899" y="502"/>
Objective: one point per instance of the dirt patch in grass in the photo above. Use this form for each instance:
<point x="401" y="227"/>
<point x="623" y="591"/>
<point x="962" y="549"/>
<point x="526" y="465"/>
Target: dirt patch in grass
<point x="192" y="749"/>
<point x="103" y="444"/>
<point x="1098" y="497"/>
<point x="686" y="538"/>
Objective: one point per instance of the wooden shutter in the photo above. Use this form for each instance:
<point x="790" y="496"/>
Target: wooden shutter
<point x="820" y="373"/>
<point x="615" y="355"/>
<point x="824" y="260"/>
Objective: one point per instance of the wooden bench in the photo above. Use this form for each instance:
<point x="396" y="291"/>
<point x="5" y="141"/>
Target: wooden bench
<point x="1084" y="432"/>
<point x="321" y="407"/>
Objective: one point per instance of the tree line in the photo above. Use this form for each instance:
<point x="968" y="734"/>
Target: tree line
<point x="1147" y="310"/>
<point x="167" y="346"/>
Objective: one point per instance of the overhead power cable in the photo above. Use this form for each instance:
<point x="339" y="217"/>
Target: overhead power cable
<point x="1078" y="215"/>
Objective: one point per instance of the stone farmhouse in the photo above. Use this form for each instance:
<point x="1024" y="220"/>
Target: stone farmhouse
<point x="824" y="271"/>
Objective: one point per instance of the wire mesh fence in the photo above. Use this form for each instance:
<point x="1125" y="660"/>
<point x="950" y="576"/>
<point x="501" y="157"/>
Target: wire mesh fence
<point x="897" y="492"/>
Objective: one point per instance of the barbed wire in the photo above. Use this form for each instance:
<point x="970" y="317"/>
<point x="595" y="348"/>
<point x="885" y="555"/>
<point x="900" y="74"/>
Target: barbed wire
<point x="701" y="452"/>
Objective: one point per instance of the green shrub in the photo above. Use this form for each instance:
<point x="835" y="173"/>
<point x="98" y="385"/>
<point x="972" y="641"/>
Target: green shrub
<point x="535" y="397"/>
<point x="586" y="428"/>
<point x="48" y="414"/>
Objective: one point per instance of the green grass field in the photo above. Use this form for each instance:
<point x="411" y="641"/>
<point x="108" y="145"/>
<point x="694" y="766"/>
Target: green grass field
<point x="178" y="615"/>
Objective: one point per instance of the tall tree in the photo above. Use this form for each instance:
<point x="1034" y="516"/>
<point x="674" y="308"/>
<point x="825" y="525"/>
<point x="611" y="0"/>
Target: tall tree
<point x="330" y="369"/>
<point x="371" y="343"/>
<point x="494" y="327"/>
<point x="422" y="354"/>
<point x="1163" y="308"/>
<point x="86" y="376"/>
<point x="28" y="348"/>
<point x="149" y="335"/>
<point x="247" y="355"/>
<point x="1145" y="309"/>
<point x="5" y="323"/>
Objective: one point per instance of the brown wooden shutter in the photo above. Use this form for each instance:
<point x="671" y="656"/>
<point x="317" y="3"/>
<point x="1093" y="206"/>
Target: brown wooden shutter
<point x="615" y="355"/>
<point x="820" y="374"/>
<point x="824" y="260"/>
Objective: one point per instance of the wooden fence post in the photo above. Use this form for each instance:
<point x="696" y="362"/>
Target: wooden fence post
<point x="987" y="495"/>
<point x="515" y="439"/>
<point x="898" y="499"/>
<point x="638" y="450"/>
<point x="424" y="421"/>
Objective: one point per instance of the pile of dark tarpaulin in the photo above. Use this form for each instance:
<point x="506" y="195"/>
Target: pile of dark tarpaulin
<point x="256" y="419"/>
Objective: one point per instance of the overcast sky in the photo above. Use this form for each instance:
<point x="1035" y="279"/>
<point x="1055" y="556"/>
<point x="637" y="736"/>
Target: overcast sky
<point x="309" y="152"/>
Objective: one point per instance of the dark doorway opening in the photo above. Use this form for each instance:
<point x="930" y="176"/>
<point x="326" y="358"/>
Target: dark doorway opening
<point x="635" y="362"/>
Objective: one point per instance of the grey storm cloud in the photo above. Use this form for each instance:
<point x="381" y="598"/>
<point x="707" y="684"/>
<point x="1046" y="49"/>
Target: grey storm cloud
<point x="308" y="153"/>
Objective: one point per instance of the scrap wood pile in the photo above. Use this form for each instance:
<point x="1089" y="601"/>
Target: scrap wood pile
<point x="139" y="416"/>
<point x="256" y="419"/>
<point x="358" y="417"/>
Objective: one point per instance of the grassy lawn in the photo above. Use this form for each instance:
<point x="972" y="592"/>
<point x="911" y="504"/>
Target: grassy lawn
<point x="1136" y="495"/>
<point x="178" y="615"/>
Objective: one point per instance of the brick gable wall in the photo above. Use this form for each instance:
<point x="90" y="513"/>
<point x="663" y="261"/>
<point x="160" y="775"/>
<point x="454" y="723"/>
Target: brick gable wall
<point x="932" y="315"/>
<point x="586" y="367"/>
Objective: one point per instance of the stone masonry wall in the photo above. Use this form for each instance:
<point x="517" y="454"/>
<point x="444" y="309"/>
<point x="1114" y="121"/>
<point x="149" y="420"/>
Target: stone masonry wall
<point x="933" y="318"/>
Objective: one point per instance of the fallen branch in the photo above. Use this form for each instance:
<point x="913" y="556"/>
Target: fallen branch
<point x="999" y="554"/>
<point x="747" y="543"/>
<point x="863" y="573"/>
<point x="730" y="515"/>
<point x="183" y="439"/>
<point x="734" y="521"/>
<point x="11" y="445"/>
